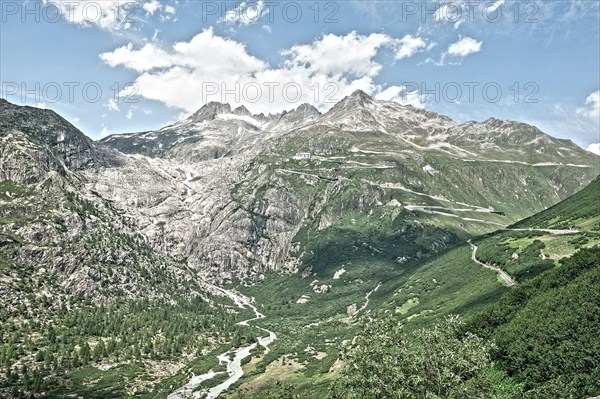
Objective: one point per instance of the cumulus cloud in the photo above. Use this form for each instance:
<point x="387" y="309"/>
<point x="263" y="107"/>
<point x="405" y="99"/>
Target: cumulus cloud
<point x="334" y="54"/>
<point x="246" y="13"/>
<point x="401" y="95"/>
<point x="41" y="105"/>
<point x="464" y="46"/>
<point x="145" y="59"/>
<point x="320" y="73"/>
<point x="594" y="148"/>
<point x="592" y="106"/>
<point x="410" y="45"/>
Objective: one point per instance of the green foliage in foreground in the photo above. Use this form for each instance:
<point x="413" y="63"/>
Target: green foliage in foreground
<point x="547" y="328"/>
<point x="433" y="363"/>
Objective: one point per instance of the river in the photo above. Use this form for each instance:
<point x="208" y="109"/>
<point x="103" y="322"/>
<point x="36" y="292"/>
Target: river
<point x="234" y="365"/>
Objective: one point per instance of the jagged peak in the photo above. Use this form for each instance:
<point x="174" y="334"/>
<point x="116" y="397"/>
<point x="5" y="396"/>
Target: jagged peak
<point x="210" y="110"/>
<point x="357" y="99"/>
<point x="306" y="108"/>
<point x="242" y="111"/>
<point x="355" y="102"/>
<point x="494" y="121"/>
<point x="360" y="94"/>
<point x="216" y="105"/>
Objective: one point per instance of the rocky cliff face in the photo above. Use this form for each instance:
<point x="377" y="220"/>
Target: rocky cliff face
<point x="59" y="146"/>
<point x="57" y="236"/>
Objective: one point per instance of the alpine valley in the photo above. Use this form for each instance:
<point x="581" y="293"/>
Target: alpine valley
<point x="344" y="254"/>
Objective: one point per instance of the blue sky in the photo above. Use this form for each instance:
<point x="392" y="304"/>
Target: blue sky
<point x="117" y="66"/>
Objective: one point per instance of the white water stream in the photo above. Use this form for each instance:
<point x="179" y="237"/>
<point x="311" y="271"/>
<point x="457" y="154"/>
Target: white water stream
<point x="234" y="365"/>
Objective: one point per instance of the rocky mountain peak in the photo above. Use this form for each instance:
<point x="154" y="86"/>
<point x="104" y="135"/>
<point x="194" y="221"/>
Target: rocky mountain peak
<point x="358" y="97"/>
<point x="307" y="110"/>
<point x="210" y="110"/>
<point x="494" y="122"/>
<point x="304" y="113"/>
<point x="242" y="111"/>
<point x="354" y="102"/>
<point x="54" y="145"/>
<point x="361" y="94"/>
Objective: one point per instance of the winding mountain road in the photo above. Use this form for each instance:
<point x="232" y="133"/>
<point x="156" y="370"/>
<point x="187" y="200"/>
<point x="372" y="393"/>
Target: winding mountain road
<point x="508" y="279"/>
<point x="549" y="231"/>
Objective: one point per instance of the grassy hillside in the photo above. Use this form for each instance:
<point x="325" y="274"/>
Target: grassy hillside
<point x="578" y="212"/>
<point x="538" y="342"/>
<point x="546" y="329"/>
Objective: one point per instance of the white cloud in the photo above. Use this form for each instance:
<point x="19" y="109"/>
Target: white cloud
<point x="227" y="57"/>
<point x="267" y="28"/>
<point x="111" y="15"/>
<point x="464" y="46"/>
<point x="104" y="132"/>
<point x="144" y="59"/>
<point x="400" y="95"/>
<point x="457" y="12"/>
<point x="246" y="13"/>
<point x="41" y="105"/>
<point x="461" y="48"/>
<point x="592" y="106"/>
<point x="451" y="12"/>
<point x="75" y="119"/>
<point x="112" y="105"/>
<point x="594" y="148"/>
<point x="324" y="71"/>
<point x="409" y="45"/>
<point x="151" y="7"/>
<point x="334" y="54"/>
<point x="129" y="114"/>
<point x="146" y="111"/>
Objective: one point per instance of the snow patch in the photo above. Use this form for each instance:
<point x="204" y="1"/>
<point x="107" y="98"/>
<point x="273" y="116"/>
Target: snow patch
<point x="244" y="118"/>
<point x="429" y="169"/>
<point x="339" y="273"/>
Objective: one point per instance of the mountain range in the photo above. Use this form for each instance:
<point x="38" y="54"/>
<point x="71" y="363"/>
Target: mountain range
<point x="301" y="207"/>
